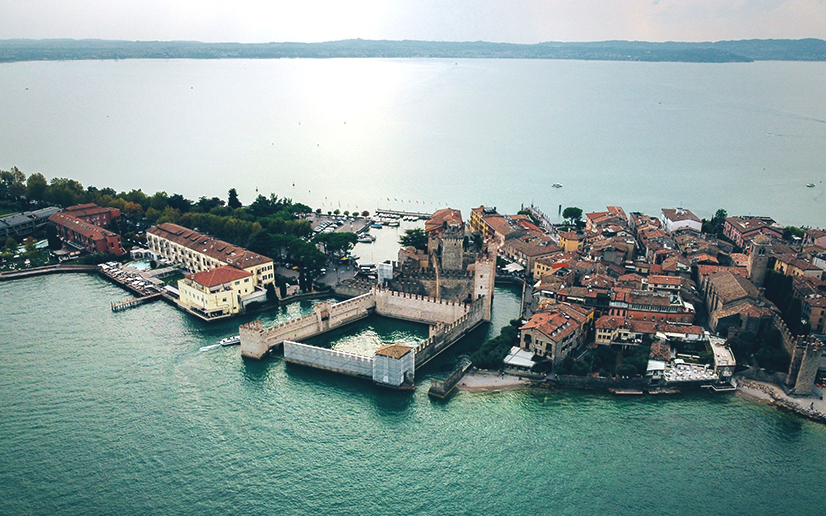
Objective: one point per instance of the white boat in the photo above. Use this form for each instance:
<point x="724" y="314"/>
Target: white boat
<point x="557" y="185"/>
<point x="810" y="185"/>
<point x="230" y="341"/>
<point x="367" y="238"/>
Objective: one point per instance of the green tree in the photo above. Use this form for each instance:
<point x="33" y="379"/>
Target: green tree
<point x="337" y="244"/>
<point x="572" y="214"/>
<point x="179" y="202"/>
<point x="12" y="183"/>
<point x="365" y="213"/>
<point x="11" y="244"/>
<point x="415" y="237"/>
<point x="159" y="201"/>
<point x="65" y="192"/>
<point x="55" y="243"/>
<point x="627" y="370"/>
<point x="36" y="187"/>
<point x="232" y="199"/>
<point x="792" y="231"/>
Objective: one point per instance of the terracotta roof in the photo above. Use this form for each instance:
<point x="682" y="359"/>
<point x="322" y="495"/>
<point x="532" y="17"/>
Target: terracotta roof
<point x="680" y="328"/>
<point x="218" y="249"/>
<point x="746" y="309"/>
<point x="794" y="261"/>
<point x="679" y="214"/>
<point x="660" y="351"/>
<point x="87" y="210"/>
<point x="394" y="350"/>
<point x="705" y="270"/>
<point x="79" y="226"/>
<point x="554" y="324"/>
<point x="532" y="248"/>
<point x="731" y="287"/>
<point x="218" y="276"/>
<point x="441" y="216"/>
<point x="609" y="322"/>
<point x="638" y="326"/>
<point x="664" y="280"/>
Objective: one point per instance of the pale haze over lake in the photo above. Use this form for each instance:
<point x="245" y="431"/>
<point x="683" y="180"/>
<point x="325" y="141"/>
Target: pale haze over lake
<point x="351" y="133"/>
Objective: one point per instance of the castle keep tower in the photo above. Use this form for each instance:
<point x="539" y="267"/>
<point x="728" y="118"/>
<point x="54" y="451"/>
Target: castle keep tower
<point x="758" y="259"/>
<point x="453" y="236"/>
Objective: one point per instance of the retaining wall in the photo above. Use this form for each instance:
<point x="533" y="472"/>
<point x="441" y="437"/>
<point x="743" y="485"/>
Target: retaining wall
<point x="328" y="359"/>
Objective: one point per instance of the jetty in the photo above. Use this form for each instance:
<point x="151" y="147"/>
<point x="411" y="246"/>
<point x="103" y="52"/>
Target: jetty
<point x="398" y="213"/>
<point x="442" y="389"/>
<point x="120" y="306"/>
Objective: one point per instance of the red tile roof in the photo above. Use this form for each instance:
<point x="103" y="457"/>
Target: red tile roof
<point x="440" y="216"/>
<point x="218" y="276"/>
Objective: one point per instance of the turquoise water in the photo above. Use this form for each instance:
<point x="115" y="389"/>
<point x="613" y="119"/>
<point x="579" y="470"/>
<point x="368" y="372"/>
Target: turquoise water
<point x="104" y="413"/>
<point x="425" y="133"/>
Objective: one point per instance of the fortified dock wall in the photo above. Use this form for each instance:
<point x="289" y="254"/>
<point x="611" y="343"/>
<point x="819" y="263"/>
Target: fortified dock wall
<point x="449" y="321"/>
<point x="328" y="359"/>
<point x="442" y="336"/>
<point x="257" y="341"/>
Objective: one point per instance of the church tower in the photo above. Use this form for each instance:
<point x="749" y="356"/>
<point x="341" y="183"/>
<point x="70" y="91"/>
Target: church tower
<point x="758" y="259"/>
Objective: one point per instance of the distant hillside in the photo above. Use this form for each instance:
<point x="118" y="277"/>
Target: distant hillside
<point x="717" y="52"/>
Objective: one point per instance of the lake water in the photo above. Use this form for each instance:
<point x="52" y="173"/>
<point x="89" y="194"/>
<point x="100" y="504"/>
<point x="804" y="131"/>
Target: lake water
<point x="128" y="413"/>
<point x="426" y="133"/>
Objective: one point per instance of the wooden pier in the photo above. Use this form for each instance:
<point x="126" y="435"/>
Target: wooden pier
<point x="129" y="303"/>
<point x="382" y="211"/>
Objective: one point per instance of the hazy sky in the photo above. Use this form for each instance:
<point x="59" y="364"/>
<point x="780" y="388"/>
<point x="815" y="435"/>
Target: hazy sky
<point x="516" y="21"/>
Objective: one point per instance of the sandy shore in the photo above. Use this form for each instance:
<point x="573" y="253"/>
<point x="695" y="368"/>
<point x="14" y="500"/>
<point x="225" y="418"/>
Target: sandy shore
<point x="484" y="381"/>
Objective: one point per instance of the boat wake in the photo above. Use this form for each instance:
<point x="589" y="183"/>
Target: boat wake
<point x="207" y="348"/>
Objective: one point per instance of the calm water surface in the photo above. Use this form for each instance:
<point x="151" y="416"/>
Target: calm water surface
<point x="426" y="133"/>
<point x="104" y="413"/>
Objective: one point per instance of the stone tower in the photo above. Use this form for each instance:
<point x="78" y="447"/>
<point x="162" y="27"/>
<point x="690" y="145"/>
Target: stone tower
<point x="758" y="259"/>
<point x="484" y="277"/>
<point x="453" y="236"/>
<point x="807" y="354"/>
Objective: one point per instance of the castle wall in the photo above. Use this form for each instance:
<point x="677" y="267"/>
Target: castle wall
<point x="255" y="341"/>
<point x="411" y="307"/>
<point x="328" y="359"/>
<point x="443" y="335"/>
